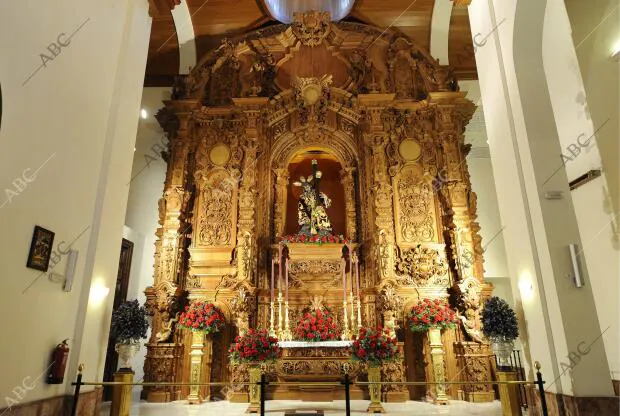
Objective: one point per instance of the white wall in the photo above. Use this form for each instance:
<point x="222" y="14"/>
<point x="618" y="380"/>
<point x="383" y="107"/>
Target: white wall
<point x="596" y="34"/>
<point x="78" y="113"/>
<point x="523" y="141"/>
<point x="145" y="189"/>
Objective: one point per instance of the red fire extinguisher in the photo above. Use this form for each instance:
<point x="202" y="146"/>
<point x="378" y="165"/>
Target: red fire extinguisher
<point x="59" y="363"/>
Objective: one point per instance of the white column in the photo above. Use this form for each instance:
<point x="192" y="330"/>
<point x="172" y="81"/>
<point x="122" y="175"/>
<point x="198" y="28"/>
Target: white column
<point x="558" y="320"/>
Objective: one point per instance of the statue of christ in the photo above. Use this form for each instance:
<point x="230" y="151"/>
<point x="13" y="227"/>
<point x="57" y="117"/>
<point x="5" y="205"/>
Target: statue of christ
<point x="311" y="210"/>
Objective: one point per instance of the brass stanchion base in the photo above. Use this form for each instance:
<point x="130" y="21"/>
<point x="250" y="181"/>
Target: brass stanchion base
<point x="121" y="395"/>
<point x="253" y="408"/>
<point x="508" y="393"/>
<point x="375" y="408"/>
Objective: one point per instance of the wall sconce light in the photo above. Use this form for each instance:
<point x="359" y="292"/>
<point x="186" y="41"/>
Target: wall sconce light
<point x="526" y="287"/>
<point x="98" y="293"/>
<point x="615" y="54"/>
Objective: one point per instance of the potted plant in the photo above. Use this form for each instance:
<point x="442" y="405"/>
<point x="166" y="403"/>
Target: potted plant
<point x="202" y="318"/>
<point x="373" y="347"/>
<point x="318" y="325"/>
<point x="431" y="315"/>
<point x="500" y="325"/>
<point x="129" y="326"/>
<point x="255" y="347"/>
<point x="434" y="316"/>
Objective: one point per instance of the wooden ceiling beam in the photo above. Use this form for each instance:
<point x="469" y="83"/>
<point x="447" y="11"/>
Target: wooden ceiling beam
<point x="158" y="8"/>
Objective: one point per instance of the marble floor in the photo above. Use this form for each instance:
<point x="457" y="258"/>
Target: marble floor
<point x="278" y="408"/>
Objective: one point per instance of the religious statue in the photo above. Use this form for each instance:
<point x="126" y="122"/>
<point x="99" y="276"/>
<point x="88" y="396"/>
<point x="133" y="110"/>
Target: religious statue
<point x="311" y="211"/>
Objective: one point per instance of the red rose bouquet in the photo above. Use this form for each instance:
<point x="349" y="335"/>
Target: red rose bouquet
<point x="318" y="325"/>
<point x="374" y="346"/>
<point x="253" y="347"/>
<point x="431" y="314"/>
<point x="313" y="239"/>
<point x="202" y="316"/>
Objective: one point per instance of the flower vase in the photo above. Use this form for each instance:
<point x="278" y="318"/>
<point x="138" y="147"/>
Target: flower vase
<point x="503" y="350"/>
<point x="374" y="390"/>
<point x="254" y="373"/>
<point x="198" y="338"/>
<point x="126" y="352"/>
<point x="439" y="375"/>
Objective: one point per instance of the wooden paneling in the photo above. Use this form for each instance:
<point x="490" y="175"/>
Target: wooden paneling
<point x="213" y="20"/>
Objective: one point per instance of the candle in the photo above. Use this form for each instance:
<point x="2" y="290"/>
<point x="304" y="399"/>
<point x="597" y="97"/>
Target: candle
<point x="357" y="276"/>
<point x="286" y="282"/>
<point x="273" y="275"/>
<point x="344" y="279"/>
<point x="351" y="266"/>
<point x="280" y="269"/>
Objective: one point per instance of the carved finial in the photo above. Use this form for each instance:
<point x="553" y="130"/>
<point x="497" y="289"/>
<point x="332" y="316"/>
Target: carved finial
<point x="311" y="27"/>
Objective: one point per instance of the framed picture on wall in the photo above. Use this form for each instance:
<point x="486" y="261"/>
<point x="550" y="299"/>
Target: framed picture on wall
<point x="40" y="249"/>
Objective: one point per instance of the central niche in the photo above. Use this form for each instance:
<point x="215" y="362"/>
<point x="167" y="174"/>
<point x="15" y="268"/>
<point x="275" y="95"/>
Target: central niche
<point x="330" y="185"/>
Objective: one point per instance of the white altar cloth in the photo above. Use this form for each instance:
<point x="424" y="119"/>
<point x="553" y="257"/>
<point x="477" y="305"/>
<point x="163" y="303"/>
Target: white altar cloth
<point x="310" y="344"/>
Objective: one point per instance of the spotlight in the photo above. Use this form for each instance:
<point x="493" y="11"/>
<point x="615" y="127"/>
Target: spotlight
<point x="143" y="113"/>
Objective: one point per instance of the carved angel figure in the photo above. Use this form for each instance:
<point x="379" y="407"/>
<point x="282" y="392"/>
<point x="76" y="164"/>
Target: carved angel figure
<point x="311" y="211"/>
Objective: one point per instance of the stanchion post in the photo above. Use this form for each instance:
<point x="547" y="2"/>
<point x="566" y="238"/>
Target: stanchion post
<point x="347" y="394"/>
<point x="262" y="394"/>
<point x="76" y="395"/>
<point x="541" y="389"/>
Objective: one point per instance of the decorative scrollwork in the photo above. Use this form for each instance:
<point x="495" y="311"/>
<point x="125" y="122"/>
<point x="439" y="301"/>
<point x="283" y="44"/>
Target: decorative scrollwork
<point x="311" y="27"/>
<point x="421" y="266"/>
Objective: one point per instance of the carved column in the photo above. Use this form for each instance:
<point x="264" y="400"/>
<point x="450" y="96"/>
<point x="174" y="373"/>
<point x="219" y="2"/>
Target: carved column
<point x="162" y="359"/>
<point x="279" y="219"/>
<point x="348" y="182"/>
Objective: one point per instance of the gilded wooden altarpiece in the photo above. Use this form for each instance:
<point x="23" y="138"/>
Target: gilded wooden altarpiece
<point x="394" y="120"/>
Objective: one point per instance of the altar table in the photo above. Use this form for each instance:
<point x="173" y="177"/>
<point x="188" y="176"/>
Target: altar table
<point x="324" y="361"/>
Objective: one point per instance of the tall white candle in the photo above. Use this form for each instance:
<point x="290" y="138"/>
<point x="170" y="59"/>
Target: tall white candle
<point x="280" y="269"/>
<point x="357" y="276"/>
<point x="273" y="276"/>
<point x="344" y="279"/>
<point x="286" y="280"/>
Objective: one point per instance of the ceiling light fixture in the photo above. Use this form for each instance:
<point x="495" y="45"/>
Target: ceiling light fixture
<point x="143" y="113"/>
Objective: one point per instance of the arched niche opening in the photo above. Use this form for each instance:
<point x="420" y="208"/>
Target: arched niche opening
<point x="331" y="185"/>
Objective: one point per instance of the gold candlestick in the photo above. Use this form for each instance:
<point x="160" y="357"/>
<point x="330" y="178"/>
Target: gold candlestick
<point x="280" y="317"/>
<point x="272" y="330"/>
<point x="346" y="333"/>
<point x="353" y="314"/>
<point x="287" y="335"/>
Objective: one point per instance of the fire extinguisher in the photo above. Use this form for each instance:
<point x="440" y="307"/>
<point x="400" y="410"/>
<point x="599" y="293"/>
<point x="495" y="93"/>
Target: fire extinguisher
<point x="59" y="363"/>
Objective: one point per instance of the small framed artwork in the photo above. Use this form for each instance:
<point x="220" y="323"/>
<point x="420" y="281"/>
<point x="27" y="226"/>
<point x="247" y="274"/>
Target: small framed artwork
<point x="40" y="249"/>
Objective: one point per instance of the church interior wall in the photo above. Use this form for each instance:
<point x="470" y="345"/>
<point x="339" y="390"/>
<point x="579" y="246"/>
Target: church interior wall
<point x="595" y="219"/>
<point x="148" y="176"/>
<point x="535" y="238"/>
<point x="77" y="129"/>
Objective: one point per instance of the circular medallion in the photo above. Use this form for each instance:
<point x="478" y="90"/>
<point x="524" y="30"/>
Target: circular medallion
<point x="409" y="149"/>
<point x="219" y="154"/>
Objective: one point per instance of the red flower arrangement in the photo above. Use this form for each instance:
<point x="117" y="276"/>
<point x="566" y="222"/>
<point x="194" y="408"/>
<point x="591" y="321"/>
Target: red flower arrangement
<point x="253" y="347"/>
<point x="431" y="314"/>
<point x="313" y="239"/>
<point x="374" y="346"/>
<point x="202" y="316"/>
<point x="318" y="325"/>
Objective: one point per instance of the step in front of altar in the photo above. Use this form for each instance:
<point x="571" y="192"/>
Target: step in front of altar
<point x="315" y="362"/>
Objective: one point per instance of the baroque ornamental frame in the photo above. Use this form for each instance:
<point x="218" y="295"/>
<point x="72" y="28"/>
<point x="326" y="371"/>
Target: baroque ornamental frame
<point x="393" y="118"/>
